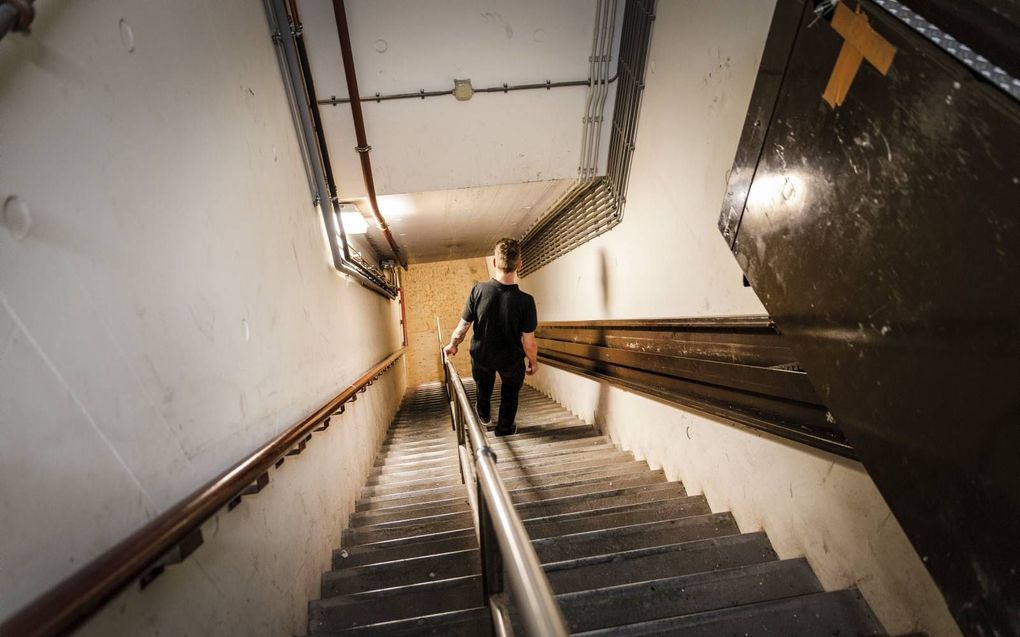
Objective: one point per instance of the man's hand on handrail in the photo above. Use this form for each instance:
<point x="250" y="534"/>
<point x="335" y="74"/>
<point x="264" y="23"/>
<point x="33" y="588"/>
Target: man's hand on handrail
<point x="457" y="337"/>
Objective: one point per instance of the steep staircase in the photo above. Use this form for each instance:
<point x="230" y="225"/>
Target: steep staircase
<point x="626" y="551"/>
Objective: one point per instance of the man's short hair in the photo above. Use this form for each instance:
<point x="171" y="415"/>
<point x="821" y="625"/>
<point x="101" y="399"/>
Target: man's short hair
<point x="508" y="252"/>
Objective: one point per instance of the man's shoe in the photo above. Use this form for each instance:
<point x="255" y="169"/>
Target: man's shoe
<point x="500" y="433"/>
<point x="485" y="421"/>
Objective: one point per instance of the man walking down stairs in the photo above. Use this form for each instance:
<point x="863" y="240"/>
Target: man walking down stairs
<point x="626" y="551"/>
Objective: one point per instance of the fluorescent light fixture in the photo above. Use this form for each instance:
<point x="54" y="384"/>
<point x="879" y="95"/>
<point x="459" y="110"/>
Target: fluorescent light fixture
<point x="396" y="207"/>
<point x="354" y="223"/>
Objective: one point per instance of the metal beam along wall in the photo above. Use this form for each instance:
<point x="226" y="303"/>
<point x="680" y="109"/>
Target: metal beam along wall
<point x="598" y="207"/>
<point x="737" y="368"/>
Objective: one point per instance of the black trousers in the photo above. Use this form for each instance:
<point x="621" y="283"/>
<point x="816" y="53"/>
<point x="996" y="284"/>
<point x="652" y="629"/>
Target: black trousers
<point x="485" y="380"/>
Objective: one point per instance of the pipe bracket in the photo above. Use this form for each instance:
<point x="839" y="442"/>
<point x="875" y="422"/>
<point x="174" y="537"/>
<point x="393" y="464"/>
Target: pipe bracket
<point x="260" y="483"/>
<point x="188" y="544"/>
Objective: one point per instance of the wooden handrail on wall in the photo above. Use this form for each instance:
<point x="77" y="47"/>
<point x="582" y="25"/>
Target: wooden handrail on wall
<point x="176" y="533"/>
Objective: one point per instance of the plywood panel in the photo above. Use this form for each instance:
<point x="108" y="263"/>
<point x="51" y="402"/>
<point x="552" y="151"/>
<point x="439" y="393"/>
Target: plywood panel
<point x="431" y="290"/>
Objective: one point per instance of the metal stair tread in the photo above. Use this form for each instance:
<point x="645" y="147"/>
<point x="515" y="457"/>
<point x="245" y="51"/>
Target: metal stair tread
<point x="554" y="547"/>
<point x="555" y="525"/>
<point x="591" y="571"/>
<point x="448" y="437"/>
<point x="447" y="456"/>
<point x="515" y="483"/>
<point x="600" y="489"/>
<point x="394" y="550"/>
<point x="654" y="562"/>
<point x="685" y="594"/>
<point x="396" y="591"/>
<point x="519" y="464"/>
<point x="626" y="551"/>
<point x="470" y="622"/>
<point x="543" y="525"/>
<point x="402" y="602"/>
<point x="841" y="612"/>
<point x="615" y="494"/>
<point x="423" y="568"/>
<point x="588" y="479"/>
<point x="439" y="452"/>
<point x="567" y="468"/>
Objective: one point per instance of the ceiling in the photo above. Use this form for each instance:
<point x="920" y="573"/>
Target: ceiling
<point x="452" y="176"/>
<point x="440" y="225"/>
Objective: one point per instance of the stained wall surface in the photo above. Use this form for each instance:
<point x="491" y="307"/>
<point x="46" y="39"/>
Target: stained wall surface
<point x="437" y="290"/>
<point x="166" y="305"/>
<point x="667" y="259"/>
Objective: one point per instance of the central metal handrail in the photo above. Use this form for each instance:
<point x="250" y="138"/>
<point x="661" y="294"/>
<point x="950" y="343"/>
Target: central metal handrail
<point x="503" y="541"/>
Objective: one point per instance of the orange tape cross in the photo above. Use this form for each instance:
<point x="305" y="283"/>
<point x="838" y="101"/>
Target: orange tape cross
<point x="860" y="42"/>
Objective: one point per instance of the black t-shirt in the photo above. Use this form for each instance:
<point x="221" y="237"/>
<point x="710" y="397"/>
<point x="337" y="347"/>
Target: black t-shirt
<point x="501" y="313"/>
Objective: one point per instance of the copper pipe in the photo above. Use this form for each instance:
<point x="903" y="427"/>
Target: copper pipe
<point x="403" y="308"/>
<point x="72" y="601"/>
<point x="359" y="124"/>
<point x="326" y="190"/>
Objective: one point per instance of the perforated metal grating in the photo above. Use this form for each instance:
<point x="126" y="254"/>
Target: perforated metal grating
<point x="597" y="207"/>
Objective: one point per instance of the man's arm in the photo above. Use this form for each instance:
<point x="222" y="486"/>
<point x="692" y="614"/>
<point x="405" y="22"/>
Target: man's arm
<point x="531" y="351"/>
<point x="457" y="337"/>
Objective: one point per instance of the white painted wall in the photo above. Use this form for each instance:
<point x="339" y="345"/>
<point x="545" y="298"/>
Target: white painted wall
<point x="171" y="306"/>
<point x="667" y="259"/>
<point x="440" y="143"/>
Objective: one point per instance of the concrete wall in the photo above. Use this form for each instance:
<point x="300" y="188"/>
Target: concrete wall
<point x="668" y="260"/>
<point x="437" y="289"/>
<point x="166" y="305"/>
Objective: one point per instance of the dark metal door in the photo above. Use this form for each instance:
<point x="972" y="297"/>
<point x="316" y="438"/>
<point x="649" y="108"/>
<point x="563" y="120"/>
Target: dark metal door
<point x="883" y="236"/>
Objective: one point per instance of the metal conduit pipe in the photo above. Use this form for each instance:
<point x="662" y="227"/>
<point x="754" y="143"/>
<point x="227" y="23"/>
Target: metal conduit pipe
<point x="561" y="204"/>
<point x="596" y="211"/>
<point x="363" y="148"/>
<point x="598" y="67"/>
<point x="585" y="170"/>
<point x="320" y="137"/>
<point x="594" y="231"/>
<point x="606" y="64"/>
<point x="607" y="220"/>
<point x="589" y="114"/>
<point x="598" y="196"/>
<point x="315" y="155"/>
<point x="600" y="210"/>
<point x="608" y="20"/>
<point x="422" y="94"/>
<point x="586" y="120"/>
<point x="630" y="114"/>
<point x="599" y="53"/>
<point x="601" y="22"/>
<point x="599" y="203"/>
